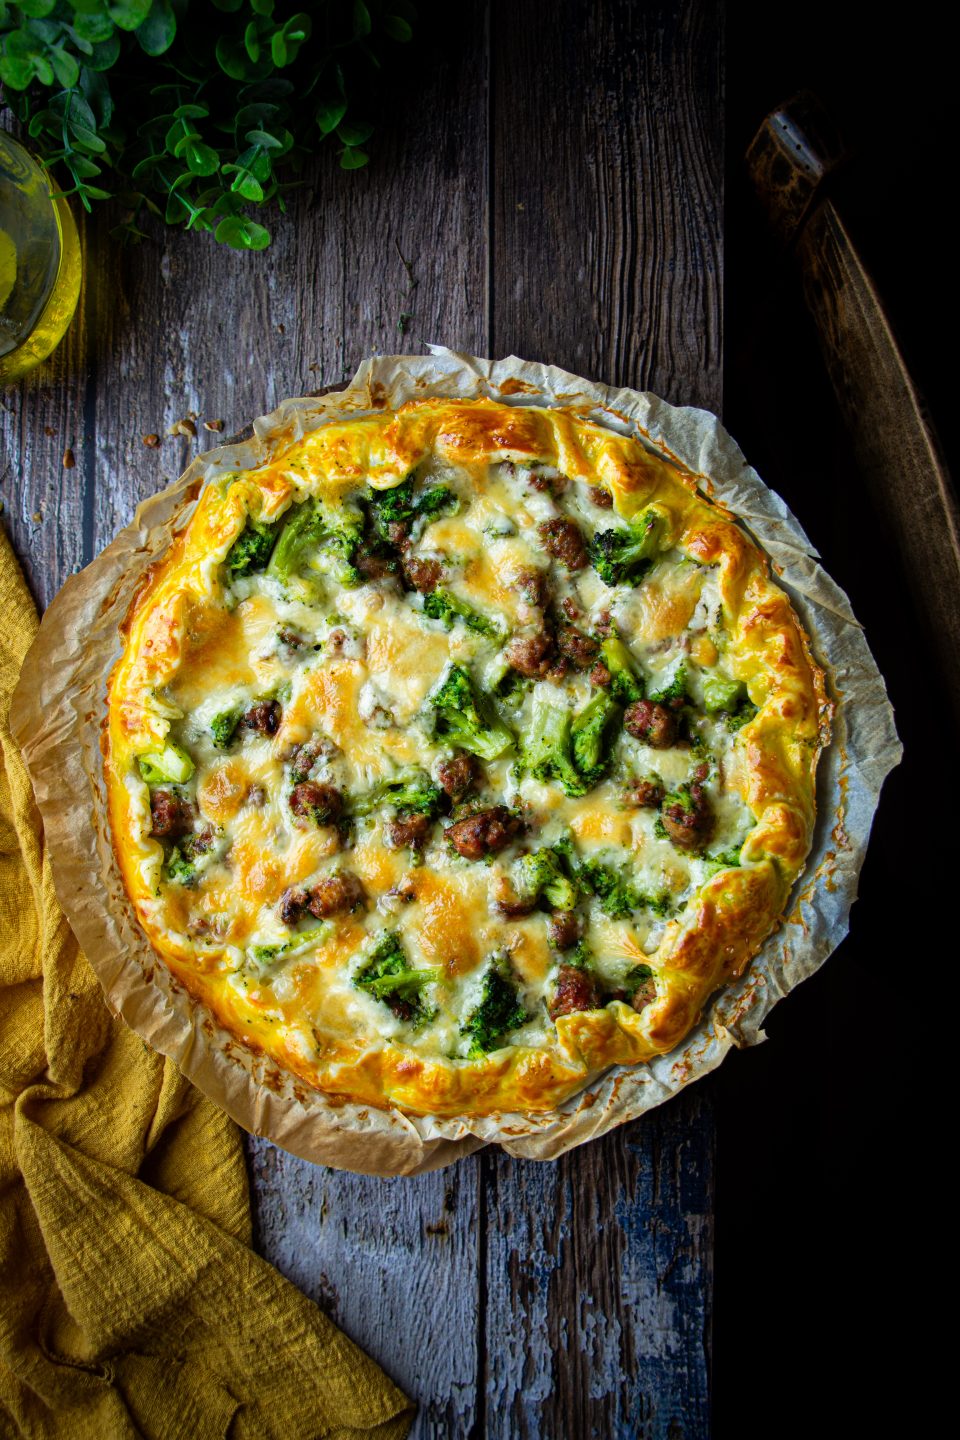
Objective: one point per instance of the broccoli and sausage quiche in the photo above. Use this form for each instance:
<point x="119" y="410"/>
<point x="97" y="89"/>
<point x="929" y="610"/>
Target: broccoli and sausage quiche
<point x="459" y="753"/>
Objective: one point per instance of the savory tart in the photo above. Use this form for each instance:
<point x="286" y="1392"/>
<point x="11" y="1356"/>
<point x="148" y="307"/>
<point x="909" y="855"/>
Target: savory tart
<point x="458" y="753"/>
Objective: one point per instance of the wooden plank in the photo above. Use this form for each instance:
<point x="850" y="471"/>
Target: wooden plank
<point x="181" y="326"/>
<point x="393" y="1262"/>
<point x="607" y="255"/>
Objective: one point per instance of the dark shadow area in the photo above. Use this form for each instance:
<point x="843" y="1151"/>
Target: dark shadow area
<point x="820" y="1172"/>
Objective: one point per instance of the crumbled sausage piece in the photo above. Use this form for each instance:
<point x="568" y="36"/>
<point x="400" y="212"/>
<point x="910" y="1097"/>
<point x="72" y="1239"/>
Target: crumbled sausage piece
<point x="304" y="757"/>
<point x="422" y="575"/>
<point x="170" y="816"/>
<point x="581" y="650"/>
<point x="312" y="801"/>
<point x="644" y="995"/>
<point x="264" y="716"/>
<point x="335" y="894"/>
<point x="293" y="902"/>
<point x="372" y="566"/>
<point x="532" y="654"/>
<point x="689" y="825"/>
<point x="548" y="480"/>
<point x="652" y="723"/>
<point x="569" y="609"/>
<point x="531" y="586"/>
<point x="575" y="991"/>
<point x="408" y="830"/>
<point x="507" y="902"/>
<point x="600" y="676"/>
<point x="646" y="794"/>
<point x="563" y="927"/>
<point x="458" y="775"/>
<point x="562" y="540"/>
<point x="600" y="497"/>
<point x="604" y="623"/>
<point x="484" y="833"/>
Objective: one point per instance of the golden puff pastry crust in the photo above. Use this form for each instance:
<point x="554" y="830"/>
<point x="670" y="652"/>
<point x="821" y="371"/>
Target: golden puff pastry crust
<point x="459" y="753"/>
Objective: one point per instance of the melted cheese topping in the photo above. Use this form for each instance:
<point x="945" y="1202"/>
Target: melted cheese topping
<point x="280" y="683"/>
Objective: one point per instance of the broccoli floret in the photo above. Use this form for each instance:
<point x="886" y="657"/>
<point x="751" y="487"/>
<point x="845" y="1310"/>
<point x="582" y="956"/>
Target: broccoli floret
<point x="400" y="506"/>
<point x="721" y="694"/>
<point x="327" y="535"/>
<point x="676" y="690"/>
<point x="179" y="869"/>
<point x="441" y="605"/>
<point x="171" y="765"/>
<point x="723" y="860"/>
<point x="223" y="727"/>
<point x="591" y="733"/>
<point x="619" y="896"/>
<point x="181" y="866"/>
<point x="498" y="1012"/>
<point x="625" y="682"/>
<point x="743" y="714"/>
<point x="251" y="550"/>
<point x="623" y="557"/>
<point x="547" y="747"/>
<point x="463" y="718"/>
<point x="542" y="874"/>
<point x="388" y="976"/>
<point x="412" y="791"/>
<point x="613" y="888"/>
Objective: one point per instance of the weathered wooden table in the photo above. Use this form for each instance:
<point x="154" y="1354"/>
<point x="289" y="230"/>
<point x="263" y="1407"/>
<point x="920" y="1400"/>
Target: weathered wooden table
<point x="552" y="185"/>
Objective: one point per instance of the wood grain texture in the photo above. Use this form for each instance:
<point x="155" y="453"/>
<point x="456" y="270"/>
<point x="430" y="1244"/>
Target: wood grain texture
<point x="608" y="192"/>
<point x="607" y="258"/>
<point x="553" y="187"/>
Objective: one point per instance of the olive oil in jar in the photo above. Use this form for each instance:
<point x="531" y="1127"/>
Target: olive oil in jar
<point x="40" y="266"/>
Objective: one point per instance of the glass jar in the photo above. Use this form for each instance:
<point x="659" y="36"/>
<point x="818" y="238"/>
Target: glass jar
<point x="40" y="265"/>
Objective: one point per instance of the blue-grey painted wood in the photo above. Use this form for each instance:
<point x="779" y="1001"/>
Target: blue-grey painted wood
<point x="393" y="1262"/>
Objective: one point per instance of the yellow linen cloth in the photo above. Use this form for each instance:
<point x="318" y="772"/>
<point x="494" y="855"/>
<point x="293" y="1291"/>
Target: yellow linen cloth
<point x="130" y="1301"/>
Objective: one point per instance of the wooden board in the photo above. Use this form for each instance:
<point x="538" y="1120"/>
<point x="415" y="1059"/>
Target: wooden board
<point x="553" y="187"/>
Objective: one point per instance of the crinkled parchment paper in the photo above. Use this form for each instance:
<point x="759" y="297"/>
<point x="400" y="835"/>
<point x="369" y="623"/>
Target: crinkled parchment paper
<point x="59" y="708"/>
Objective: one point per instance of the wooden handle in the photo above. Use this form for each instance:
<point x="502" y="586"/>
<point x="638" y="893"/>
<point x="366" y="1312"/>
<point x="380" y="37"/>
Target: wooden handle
<point x="790" y="160"/>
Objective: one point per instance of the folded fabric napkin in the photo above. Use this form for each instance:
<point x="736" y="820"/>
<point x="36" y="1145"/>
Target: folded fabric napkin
<point x="131" y="1303"/>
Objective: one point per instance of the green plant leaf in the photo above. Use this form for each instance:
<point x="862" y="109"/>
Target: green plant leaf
<point x="105" y="53"/>
<point x="191" y="112"/>
<point x="242" y="234"/>
<point x="93" y="27"/>
<point x="93" y="193"/>
<point x="362" y="24"/>
<point x="87" y="139"/>
<point x="201" y="159"/>
<point x="261" y="7"/>
<point x="329" y="113"/>
<point x="261" y="137"/>
<point x="35" y="8"/>
<point x="158" y="31"/>
<point x="397" y="28"/>
<point x="352" y="159"/>
<point x="355" y="132"/>
<point x="65" y="68"/>
<point x="128" y="14"/>
<point x="251" y="41"/>
<point x="15" y="72"/>
<point x="278" y="50"/>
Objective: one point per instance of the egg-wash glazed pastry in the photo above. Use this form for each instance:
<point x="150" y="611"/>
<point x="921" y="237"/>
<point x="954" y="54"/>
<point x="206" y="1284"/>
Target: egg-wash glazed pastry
<point x="459" y="753"/>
